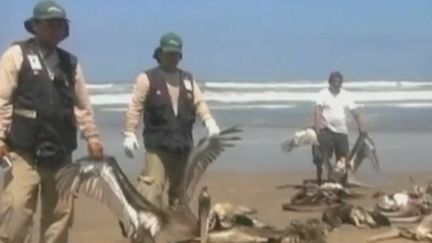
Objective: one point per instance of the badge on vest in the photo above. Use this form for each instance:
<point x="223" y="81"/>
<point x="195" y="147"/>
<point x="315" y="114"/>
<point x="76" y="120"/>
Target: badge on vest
<point x="188" y="84"/>
<point x="35" y="63"/>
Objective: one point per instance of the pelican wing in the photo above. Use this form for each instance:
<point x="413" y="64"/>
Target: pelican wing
<point x="364" y="148"/>
<point x="202" y="155"/>
<point x="372" y="153"/>
<point x="303" y="137"/>
<point x="104" y="182"/>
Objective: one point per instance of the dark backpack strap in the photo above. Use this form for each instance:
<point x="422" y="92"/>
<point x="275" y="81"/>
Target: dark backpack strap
<point x="69" y="64"/>
<point x="153" y="75"/>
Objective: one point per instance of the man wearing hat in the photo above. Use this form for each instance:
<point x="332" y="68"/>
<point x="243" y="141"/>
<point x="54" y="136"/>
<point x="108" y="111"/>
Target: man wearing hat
<point x="330" y="121"/>
<point x="168" y="99"/>
<point x="43" y="100"/>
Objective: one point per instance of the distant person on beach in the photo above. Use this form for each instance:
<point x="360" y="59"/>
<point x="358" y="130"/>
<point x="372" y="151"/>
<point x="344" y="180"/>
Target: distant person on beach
<point x="168" y="100"/>
<point x="42" y="96"/>
<point x="330" y="123"/>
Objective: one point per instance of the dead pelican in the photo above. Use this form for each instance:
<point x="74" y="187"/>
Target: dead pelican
<point x="364" y="148"/>
<point x="303" y="137"/>
<point x="225" y="215"/>
<point x="310" y="231"/>
<point x="408" y="205"/>
<point x="239" y="227"/>
<point x="237" y="224"/>
<point x="140" y="219"/>
<point x="350" y="214"/>
<point x="422" y="232"/>
<point x="312" y="197"/>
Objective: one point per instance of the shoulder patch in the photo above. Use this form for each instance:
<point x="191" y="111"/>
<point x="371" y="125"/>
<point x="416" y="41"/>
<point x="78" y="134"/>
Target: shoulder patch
<point x="188" y="84"/>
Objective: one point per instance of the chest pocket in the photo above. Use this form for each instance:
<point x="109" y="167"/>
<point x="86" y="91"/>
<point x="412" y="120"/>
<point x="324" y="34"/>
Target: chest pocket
<point x="158" y="108"/>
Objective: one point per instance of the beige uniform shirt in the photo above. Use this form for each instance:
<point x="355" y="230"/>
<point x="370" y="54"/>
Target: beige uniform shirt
<point x="10" y="64"/>
<point x="141" y="89"/>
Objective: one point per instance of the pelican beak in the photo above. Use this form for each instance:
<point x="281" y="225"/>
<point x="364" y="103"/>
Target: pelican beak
<point x="204" y="202"/>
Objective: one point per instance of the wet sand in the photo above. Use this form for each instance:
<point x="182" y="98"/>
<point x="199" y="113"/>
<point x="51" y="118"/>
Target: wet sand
<point x="263" y="191"/>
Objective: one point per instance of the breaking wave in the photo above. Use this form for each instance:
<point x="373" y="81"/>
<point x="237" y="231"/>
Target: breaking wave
<point x="279" y="95"/>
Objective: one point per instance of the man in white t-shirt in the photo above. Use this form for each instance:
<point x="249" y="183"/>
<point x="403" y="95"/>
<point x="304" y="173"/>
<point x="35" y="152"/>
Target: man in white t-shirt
<point x="330" y="122"/>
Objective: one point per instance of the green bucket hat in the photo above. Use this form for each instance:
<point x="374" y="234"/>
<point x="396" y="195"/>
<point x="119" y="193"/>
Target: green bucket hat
<point x="47" y="9"/>
<point x="171" y="42"/>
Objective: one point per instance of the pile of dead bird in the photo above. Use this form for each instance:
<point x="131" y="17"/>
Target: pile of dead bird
<point x="140" y="221"/>
<point x="338" y="207"/>
<point x="336" y="200"/>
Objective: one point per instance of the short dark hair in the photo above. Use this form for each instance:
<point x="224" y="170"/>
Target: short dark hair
<point x="335" y="74"/>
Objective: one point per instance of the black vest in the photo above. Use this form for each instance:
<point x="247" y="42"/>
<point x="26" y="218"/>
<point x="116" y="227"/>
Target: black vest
<point x="162" y="129"/>
<point x="53" y="131"/>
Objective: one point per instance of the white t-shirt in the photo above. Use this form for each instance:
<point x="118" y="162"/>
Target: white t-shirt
<point x="334" y="109"/>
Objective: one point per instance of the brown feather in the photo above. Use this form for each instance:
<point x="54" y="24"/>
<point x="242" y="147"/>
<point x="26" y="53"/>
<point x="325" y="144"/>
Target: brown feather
<point x="202" y="155"/>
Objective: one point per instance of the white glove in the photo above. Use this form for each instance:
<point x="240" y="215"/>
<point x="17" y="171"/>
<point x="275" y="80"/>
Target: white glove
<point x="130" y="144"/>
<point x="212" y="127"/>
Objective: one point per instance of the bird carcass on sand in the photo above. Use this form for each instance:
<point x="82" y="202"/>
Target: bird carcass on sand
<point x="313" y="197"/>
<point x="422" y="232"/>
<point x="358" y="216"/>
<point x="141" y="221"/>
<point x="364" y="148"/>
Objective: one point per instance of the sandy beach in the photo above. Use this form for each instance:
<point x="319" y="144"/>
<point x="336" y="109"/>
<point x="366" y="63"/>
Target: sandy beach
<point x="256" y="172"/>
<point x="263" y="191"/>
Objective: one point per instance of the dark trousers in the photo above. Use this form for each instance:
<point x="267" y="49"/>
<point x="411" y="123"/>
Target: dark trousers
<point x="330" y="142"/>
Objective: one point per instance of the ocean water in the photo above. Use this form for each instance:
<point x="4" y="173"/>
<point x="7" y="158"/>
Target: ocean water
<point x="388" y="105"/>
<point x="398" y="115"/>
<point x="280" y="95"/>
